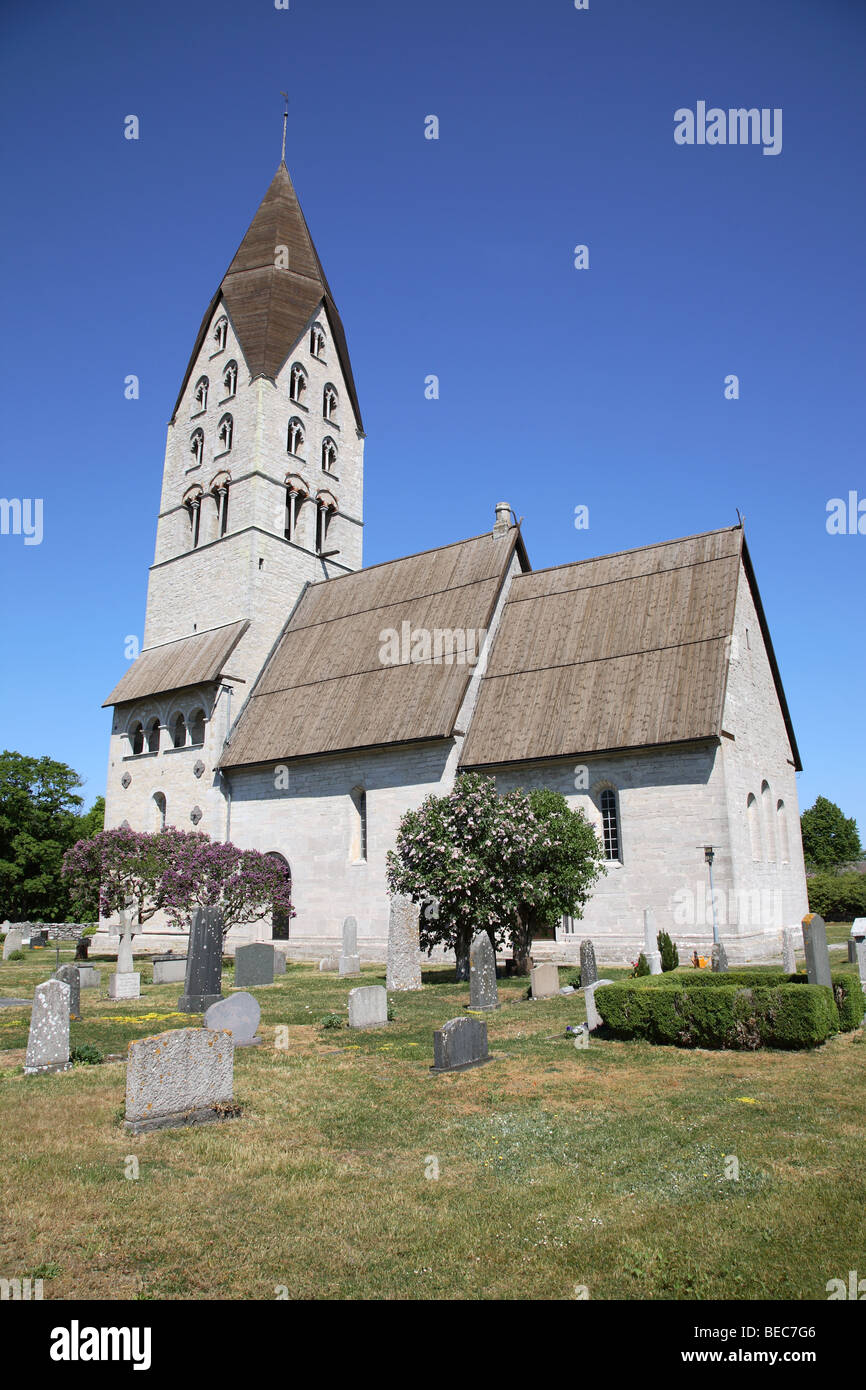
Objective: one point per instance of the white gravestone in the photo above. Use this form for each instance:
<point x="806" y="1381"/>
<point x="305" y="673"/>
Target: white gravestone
<point x="368" y="1007"/>
<point x="48" y="1042"/>
<point x="650" y="944"/>
<point x="544" y="981"/>
<point x="14" y="942"/>
<point x="404" y="950"/>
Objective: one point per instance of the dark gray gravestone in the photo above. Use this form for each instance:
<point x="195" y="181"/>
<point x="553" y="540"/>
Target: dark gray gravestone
<point x="482" y="974"/>
<point x="459" y="1044"/>
<point x="588" y="967"/>
<point x="70" y="976"/>
<point x="718" y="958"/>
<point x="817" y="955"/>
<point x="254" y="965"/>
<point x="204" y="962"/>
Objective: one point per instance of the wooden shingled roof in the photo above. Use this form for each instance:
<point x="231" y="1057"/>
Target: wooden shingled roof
<point x="626" y="651"/>
<point x="271" y="308"/>
<point x="325" y="688"/>
<point x="189" y="661"/>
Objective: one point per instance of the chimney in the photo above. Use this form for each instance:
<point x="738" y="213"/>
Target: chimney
<point x="503" y="519"/>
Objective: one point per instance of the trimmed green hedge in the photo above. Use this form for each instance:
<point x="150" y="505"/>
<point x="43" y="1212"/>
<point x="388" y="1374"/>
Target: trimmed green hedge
<point x="727" y="1016"/>
<point x="847" y="990"/>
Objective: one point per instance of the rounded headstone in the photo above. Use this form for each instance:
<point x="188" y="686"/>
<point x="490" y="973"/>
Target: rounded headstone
<point x="238" y="1015"/>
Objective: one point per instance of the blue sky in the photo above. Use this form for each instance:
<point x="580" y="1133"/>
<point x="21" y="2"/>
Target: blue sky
<point x="558" y="387"/>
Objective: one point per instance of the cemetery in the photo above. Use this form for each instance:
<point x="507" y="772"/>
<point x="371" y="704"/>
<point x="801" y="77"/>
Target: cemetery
<point x="440" y="1137"/>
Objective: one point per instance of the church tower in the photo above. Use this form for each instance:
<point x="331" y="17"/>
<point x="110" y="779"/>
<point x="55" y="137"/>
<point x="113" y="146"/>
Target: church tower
<point x="262" y="493"/>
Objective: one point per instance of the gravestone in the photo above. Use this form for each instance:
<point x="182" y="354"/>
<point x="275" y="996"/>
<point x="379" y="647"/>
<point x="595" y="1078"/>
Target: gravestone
<point x="544" y="981"/>
<point x="329" y="963"/>
<point x="858" y="941"/>
<point x="459" y="1044"/>
<point x="254" y="965"/>
<point x="279" y="961"/>
<point x="350" y="961"/>
<point x="368" y="1006"/>
<point x="14" y="942"/>
<point x="204" y="962"/>
<point x="238" y="1015"/>
<point x="69" y="974"/>
<point x="183" y="1077"/>
<point x="483" y="993"/>
<point x="125" y="959"/>
<point x="718" y="958"/>
<point x="404" y="949"/>
<point x="789" y="949"/>
<point x="169" y="972"/>
<point x="650" y="944"/>
<point x="593" y="1017"/>
<point x="125" y="983"/>
<point x="48" y="1042"/>
<point x="815" y="945"/>
<point x="588" y="967"/>
<point x="89" y="977"/>
<point x="82" y="946"/>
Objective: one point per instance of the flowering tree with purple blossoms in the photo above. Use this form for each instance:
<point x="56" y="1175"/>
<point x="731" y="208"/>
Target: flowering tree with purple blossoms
<point x="177" y="871"/>
<point x="501" y="864"/>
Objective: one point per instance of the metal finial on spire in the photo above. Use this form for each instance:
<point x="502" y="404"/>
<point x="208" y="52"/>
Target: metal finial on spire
<point x="285" y="97"/>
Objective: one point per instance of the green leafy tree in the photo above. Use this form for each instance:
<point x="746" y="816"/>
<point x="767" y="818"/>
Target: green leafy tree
<point x="39" y="820"/>
<point x="830" y="838"/>
<point x="668" y="952"/>
<point x="478" y="861"/>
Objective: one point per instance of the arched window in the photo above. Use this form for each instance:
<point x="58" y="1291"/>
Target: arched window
<point x="754" y="825"/>
<point x="609" y="824"/>
<point x="136" y="738"/>
<point x="153" y="736"/>
<point x="326" y="509"/>
<point x="295" y="499"/>
<point x="769" y="827"/>
<point x="295" y="440"/>
<point x="159" y="807"/>
<point x="329" y="454"/>
<point x="317" y="341"/>
<point x="199" y="400"/>
<point x="230" y="379"/>
<point x="220" y="334"/>
<point x="358" y="848"/>
<point x="329" y="402"/>
<point x="192" y="502"/>
<point x="220" y="490"/>
<point x="178" y="731"/>
<point x="782" y="827"/>
<point x="224" y="433"/>
<point x="196" y="727"/>
<point x="196" y="447"/>
<point x="297" y="383"/>
<point x="280" y="918"/>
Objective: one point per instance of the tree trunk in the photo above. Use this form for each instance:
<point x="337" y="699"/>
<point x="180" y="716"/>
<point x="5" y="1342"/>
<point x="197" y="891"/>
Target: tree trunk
<point x="521" y="941"/>
<point x="464" y="938"/>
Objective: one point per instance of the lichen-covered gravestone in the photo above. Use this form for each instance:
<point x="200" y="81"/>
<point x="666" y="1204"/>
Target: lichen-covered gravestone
<point x="718" y="958"/>
<point x="368" y="1007"/>
<point x="204" y="962"/>
<point x="483" y="993"/>
<point x="183" y="1077"/>
<point x="70" y="976"/>
<point x="459" y="1044"/>
<point x="815" y="945"/>
<point x="48" y="1043"/>
<point x="789" y="949"/>
<point x="14" y="942"/>
<point x="238" y="1015"/>
<point x="254" y="965"/>
<point x="544" y="981"/>
<point x="404" y="950"/>
<point x="588" y="967"/>
<point x="350" y="961"/>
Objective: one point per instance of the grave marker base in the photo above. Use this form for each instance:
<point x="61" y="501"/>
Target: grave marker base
<point x="203" y="1116"/>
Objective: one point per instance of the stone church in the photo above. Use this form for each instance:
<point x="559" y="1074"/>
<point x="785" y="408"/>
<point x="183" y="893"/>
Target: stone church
<point x="295" y="702"/>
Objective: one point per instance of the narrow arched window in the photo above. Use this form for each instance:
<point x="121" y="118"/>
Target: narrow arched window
<point x="199" y="400"/>
<point x="196" y="447"/>
<point x="358" y="848"/>
<point x="220" y="490"/>
<point x="230" y="379"/>
<point x="294" y="501"/>
<point x="324" y="515"/>
<point x="224" y="433"/>
<point x="782" y="827"/>
<point x="153" y="736"/>
<point x="329" y="402"/>
<point x="329" y="455"/>
<point x="295" y="437"/>
<point x="160" y="809"/>
<point x="193" y="507"/>
<point x="769" y="827"/>
<point x="297" y="383"/>
<point x="281" y="917"/>
<point x="178" y="731"/>
<point x="754" y="825"/>
<point x="609" y="824"/>
<point x="136" y="738"/>
<point x="317" y="341"/>
<point x="220" y="334"/>
<point x="196" y="727"/>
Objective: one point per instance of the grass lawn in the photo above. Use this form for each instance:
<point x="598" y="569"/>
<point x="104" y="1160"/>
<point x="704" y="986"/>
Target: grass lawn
<point x="557" y="1166"/>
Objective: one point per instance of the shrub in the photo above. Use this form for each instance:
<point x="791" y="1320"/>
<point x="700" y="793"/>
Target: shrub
<point x="837" y="897"/>
<point x="331" y="1021"/>
<point x="847" y="990"/>
<point x="90" y="931"/>
<point x="669" y="953"/>
<point x="728" y="1015"/>
<point x="87" y="1054"/>
<point x="15" y="955"/>
<point x="641" y="966"/>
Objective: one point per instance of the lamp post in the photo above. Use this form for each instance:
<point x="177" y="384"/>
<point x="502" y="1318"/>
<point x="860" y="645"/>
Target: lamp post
<point x="709" y="856"/>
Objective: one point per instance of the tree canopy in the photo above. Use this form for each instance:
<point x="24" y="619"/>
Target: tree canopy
<point x="830" y="838"/>
<point x="39" y="820"/>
